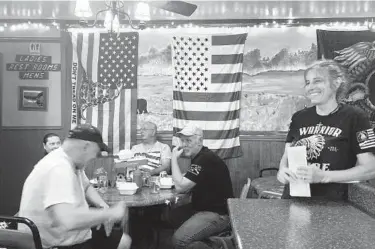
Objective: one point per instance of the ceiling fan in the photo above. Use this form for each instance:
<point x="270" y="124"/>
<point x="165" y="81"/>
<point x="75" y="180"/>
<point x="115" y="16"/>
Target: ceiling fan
<point x="179" y="7"/>
<point x="114" y="11"/>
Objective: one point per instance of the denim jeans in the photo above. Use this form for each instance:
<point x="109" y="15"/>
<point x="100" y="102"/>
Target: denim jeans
<point x="198" y="227"/>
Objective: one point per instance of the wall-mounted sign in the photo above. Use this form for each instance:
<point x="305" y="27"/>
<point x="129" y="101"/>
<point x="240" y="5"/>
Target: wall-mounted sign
<point x="33" y="75"/>
<point x="33" y="67"/>
<point x="34" y="48"/>
<point x="33" y="58"/>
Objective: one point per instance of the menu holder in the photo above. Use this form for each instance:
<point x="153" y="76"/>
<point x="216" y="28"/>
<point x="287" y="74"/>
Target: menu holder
<point x="297" y="157"/>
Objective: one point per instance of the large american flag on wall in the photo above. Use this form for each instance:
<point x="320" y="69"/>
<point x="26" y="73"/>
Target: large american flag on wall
<point x="104" y="85"/>
<point x="207" y="88"/>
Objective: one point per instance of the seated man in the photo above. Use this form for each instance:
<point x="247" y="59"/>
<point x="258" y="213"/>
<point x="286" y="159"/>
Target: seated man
<point x="51" y="141"/>
<point x="209" y="181"/>
<point x="57" y="193"/>
<point x="157" y="153"/>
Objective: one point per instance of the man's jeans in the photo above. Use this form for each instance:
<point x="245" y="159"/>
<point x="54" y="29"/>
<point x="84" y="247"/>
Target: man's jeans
<point x="199" y="226"/>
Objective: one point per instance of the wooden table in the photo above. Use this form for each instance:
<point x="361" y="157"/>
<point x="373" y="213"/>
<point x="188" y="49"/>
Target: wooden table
<point x="296" y="224"/>
<point x="143" y="197"/>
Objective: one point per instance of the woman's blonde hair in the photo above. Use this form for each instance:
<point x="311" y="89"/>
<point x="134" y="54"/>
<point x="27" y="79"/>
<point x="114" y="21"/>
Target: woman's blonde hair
<point x="335" y="72"/>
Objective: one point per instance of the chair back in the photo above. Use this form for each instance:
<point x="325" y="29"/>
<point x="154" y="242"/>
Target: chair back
<point x="19" y="239"/>
<point x="245" y="189"/>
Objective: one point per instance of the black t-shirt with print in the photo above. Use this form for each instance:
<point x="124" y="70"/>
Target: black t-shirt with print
<point x="213" y="183"/>
<point x="332" y="143"/>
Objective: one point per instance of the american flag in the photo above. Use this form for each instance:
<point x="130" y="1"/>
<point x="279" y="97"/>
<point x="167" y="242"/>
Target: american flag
<point x="366" y="139"/>
<point x="207" y="88"/>
<point x="104" y="85"/>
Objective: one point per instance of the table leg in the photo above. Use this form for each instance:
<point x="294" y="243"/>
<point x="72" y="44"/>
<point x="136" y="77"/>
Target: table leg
<point x="125" y="221"/>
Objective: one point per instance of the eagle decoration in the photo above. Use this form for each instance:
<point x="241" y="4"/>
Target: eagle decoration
<point x="359" y="61"/>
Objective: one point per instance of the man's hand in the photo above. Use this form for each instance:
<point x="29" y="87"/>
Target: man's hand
<point x="102" y="205"/>
<point x="108" y="227"/>
<point x="117" y="211"/>
<point x="177" y="152"/>
<point x="285" y="175"/>
<point x="311" y="174"/>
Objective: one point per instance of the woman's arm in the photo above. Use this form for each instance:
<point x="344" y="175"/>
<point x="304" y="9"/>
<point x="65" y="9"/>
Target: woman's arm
<point x="364" y="170"/>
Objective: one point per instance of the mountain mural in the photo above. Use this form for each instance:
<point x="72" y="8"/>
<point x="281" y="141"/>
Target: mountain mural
<point x="157" y="61"/>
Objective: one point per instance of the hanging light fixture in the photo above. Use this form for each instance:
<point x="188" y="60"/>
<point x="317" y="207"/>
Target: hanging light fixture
<point x="113" y="14"/>
<point x="82" y="9"/>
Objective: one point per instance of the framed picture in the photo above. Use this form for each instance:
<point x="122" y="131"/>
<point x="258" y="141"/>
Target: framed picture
<point x="33" y="98"/>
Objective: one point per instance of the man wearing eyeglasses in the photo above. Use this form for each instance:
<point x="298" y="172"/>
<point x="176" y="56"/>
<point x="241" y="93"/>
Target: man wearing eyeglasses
<point x="157" y="153"/>
<point x="209" y="182"/>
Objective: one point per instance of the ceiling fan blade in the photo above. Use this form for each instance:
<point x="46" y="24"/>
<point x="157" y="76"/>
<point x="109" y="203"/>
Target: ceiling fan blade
<point x="179" y="7"/>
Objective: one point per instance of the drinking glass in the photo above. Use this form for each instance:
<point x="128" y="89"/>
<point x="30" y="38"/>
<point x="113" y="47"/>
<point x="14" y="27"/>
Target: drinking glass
<point x="154" y="184"/>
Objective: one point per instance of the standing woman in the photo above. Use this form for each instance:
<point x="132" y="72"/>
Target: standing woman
<point x="339" y="139"/>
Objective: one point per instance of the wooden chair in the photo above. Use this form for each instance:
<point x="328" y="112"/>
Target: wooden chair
<point x="10" y="238"/>
<point x="226" y="238"/>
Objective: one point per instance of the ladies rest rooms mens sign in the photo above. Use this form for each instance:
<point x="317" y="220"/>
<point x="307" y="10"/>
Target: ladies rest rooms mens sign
<point x="33" y="66"/>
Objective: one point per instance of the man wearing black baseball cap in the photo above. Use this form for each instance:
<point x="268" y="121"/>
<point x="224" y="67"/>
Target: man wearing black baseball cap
<point x="56" y="195"/>
<point x="88" y="132"/>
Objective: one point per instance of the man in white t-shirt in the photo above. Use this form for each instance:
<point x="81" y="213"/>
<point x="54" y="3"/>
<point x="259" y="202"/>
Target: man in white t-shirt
<point x="157" y="153"/>
<point x="56" y="195"/>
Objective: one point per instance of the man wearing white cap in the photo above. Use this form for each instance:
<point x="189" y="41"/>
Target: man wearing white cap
<point x="209" y="181"/>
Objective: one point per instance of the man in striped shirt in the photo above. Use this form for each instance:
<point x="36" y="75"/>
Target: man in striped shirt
<point x="157" y="153"/>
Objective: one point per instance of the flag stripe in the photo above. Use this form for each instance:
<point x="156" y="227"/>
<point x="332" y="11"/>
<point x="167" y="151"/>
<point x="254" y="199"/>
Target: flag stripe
<point x="209" y="125"/>
<point x="207" y="116"/>
<point x="226" y="143"/>
<point x="228" y="39"/>
<point x="227" y="59"/>
<point x="212" y="134"/>
<point x="90" y="47"/>
<point x="228" y="49"/>
<point x="104" y="121"/>
<point x="133" y="116"/>
<point x="116" y="123"/>
<point x="223" y="88"/>
<point x="228" y="153"/>
<point x="122" y="121"/>
<point x="206" y="97"/>
<point x="226" y="78"/>
<point x="84" y="53"/>
<point x="74" y="80"/>
<point x="111" y="117"/>
<point x="226" y="68"/>
<point x="127" y="119"/>
<point x="208" y="106"/>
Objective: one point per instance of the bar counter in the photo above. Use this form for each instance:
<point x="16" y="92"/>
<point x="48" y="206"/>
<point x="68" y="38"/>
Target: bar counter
<point x="296" y="224"/>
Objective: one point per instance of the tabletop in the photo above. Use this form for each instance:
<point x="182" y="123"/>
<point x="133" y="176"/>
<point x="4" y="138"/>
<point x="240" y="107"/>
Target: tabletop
<point x="143" y="197"/>
<point x="296" y="224"/>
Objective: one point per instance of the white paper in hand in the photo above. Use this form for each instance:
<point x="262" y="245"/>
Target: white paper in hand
<point x="297" y="158"/>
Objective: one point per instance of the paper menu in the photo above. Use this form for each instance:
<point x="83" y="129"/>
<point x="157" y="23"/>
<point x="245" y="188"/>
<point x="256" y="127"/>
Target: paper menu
<point x="297" y="158"/>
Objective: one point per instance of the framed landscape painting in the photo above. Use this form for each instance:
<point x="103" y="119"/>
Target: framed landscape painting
<point x="33" y="98"/>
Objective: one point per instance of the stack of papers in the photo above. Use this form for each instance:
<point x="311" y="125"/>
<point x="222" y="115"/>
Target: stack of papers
<point x="297" y="157"/>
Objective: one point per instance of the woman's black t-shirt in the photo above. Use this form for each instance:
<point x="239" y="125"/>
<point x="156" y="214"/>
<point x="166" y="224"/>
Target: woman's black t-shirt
<point x="332" y="143"/>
